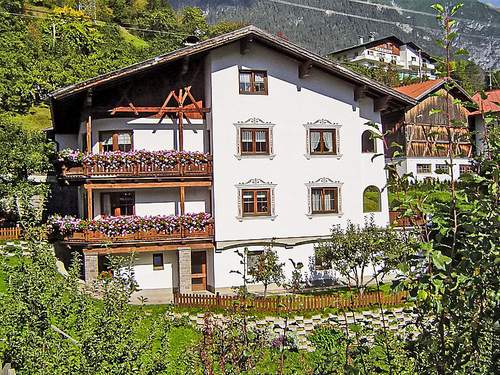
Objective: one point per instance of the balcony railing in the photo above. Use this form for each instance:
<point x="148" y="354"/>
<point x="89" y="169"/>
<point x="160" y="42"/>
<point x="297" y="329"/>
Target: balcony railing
<point x="139" y="170"/>
<point x="87" y="236"/>
<point x="75" y="164"/>
<point x="113" y="229"/>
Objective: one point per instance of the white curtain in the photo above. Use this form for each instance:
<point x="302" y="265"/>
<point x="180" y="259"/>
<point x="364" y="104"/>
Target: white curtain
<point x="328" y="141"/>
<point x="124" y="138"/>
<point x="106" y="205"/>
<point x="260" y="136"/>
<point x="245" y="81"/>
<point x="246" y="136"/>
<point x="315" y="137"/>
<point x="316" y="200"/>
<point x="329" y="200"/>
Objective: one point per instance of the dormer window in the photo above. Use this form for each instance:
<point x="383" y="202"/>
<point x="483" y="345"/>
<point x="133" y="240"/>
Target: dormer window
<point x="253" y="82"/>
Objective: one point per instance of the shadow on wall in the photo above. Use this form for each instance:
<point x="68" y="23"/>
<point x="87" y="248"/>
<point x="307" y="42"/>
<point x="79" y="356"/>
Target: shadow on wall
<point x="319" y="278"/>
<point x="62" y="200"/>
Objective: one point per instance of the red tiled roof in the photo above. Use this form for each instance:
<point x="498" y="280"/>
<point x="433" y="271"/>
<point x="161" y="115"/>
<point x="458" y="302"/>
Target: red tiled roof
<point x="416" y="90"/>
<point x="488" y="104"/>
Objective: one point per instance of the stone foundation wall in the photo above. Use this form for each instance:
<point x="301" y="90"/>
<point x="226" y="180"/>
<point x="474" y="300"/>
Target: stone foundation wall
<point x="395" y="320"/>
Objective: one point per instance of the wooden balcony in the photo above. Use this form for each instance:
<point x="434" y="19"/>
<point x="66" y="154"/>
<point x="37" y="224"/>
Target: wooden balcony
<point x="182" y="235"/>
<point x="138" y="170"/>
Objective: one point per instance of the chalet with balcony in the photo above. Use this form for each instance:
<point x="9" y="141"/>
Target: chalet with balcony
<point x="240" y="141"/>
<point x="424" y="137"/>
<point x="406" y="58"/>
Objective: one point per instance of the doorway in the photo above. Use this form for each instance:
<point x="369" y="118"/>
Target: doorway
<point x="198" y="270"/>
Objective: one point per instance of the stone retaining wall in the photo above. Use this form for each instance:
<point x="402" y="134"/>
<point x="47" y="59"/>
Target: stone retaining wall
<point x="395" y="320"/>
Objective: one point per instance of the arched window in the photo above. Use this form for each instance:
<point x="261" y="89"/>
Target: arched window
<point x="371" y="199"/>
<point x="368" y="142"/>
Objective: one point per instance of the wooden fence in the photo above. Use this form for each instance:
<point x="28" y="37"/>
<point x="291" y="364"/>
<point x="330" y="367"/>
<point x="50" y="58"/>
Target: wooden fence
<point x="290" y="302"/>
<point x="13" y="233"/>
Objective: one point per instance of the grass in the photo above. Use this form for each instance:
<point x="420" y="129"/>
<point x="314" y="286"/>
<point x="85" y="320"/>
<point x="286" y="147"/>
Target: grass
<point x="3" y="277"/>
<point x="131" y="39"/>
<point x="37" y="119"/>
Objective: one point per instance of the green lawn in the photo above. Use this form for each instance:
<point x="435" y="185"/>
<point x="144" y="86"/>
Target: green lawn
<point x="37" y="118"/>
<point x="3" y="276"/>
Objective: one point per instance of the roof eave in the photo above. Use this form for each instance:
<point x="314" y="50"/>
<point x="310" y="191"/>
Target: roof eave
<point x="250" y="31"/>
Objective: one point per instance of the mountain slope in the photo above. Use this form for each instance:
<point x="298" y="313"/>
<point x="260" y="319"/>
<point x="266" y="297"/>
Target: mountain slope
<point x="316" y="25"/>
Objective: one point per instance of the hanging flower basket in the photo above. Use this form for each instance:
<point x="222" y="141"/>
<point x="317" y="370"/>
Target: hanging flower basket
<point x="119" y="159"/>
<point x="115" y="226"/>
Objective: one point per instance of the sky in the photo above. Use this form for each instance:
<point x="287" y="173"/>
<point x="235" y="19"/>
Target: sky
<point x="492" y="2"/>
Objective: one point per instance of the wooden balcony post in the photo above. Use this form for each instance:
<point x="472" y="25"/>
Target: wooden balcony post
<point x="89" y="135"/>
<point x="181" y="132"/>
<point x="90" y="205"/>
<point x="182" y="191"/>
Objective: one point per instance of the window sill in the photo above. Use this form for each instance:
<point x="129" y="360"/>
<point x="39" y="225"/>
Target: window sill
<point x="338" y="214"/>
<point x="319" y="156"/>
<point x="255" y="156"/>
<point x="257" y="217"/>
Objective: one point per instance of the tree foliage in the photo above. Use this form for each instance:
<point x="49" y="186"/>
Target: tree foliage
<point x="267" y="269"/>
<point x="362" y="255"/>
<point x="51" y="324"/>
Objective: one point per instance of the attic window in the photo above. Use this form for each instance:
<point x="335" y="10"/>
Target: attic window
<point x="253" y="82"/>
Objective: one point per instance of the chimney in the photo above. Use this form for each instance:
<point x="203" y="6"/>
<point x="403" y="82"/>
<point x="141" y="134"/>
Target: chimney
<point x="361" y="41"/>
<point x="372" y="37"/>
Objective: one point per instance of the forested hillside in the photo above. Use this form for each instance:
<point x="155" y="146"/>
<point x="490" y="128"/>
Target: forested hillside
<point x="49" y="44"/>
<point x="315" y="25"/>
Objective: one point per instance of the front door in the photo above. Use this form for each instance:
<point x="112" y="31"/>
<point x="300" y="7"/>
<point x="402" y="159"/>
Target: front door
<point x="198" y="270"/>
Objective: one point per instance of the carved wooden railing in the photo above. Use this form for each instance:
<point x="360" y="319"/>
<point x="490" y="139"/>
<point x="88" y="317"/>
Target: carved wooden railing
<point x="203" y="169"/>
<point x="149" y="236"/>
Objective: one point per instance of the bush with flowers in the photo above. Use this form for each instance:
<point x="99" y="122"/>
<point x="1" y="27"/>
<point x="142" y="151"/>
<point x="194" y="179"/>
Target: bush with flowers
<point x="114" y="226"/>
<point x="120" y="159"/>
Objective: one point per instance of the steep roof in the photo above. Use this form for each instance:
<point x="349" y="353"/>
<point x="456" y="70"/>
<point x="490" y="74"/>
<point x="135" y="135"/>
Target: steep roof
<point x="490" y="104"/>
<point x="376" y="42"/>
<point x="250" y="33"/>
<point x="420" y="90"/>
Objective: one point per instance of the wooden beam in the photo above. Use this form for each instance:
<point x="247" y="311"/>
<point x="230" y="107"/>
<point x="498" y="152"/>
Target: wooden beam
<point x="180" y="118"/>
<point x="147" y="185"/>
<point x="88" y="134"/>
<point x="182" y="193"/>
<point x="381" y="104"/>
<point x="305" y="69"/>
<point x="360" y="92"/>
<point x="147" y="248"/>
<point x="138" y="110"/>
<point x="245" y="45"/>
<point x="90" y="203"/>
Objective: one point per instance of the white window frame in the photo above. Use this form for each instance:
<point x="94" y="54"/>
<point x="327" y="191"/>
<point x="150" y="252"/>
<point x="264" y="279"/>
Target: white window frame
<point x="254" y="123"/>
<point x="322" y="124"/>
<point x="256" y="183"/>
<point x="324" y="182"/>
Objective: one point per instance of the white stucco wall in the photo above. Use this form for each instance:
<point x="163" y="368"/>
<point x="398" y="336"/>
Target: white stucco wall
<point x="148" y="134"/>
<point x="64" y="141"/>
<point x="480" y="133"/>
<point x="148" y="278"/>
<point x="162" y="201"/>
<point x="291" y="103"/>
<point x="410" y="166"/>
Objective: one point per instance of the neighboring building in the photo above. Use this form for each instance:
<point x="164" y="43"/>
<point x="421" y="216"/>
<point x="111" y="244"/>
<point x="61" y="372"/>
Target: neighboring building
<point x="489" y="105"/>
<point x="406" y="58"/>
<point x="423" y="134"/>
<point x="278" y="132"/>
